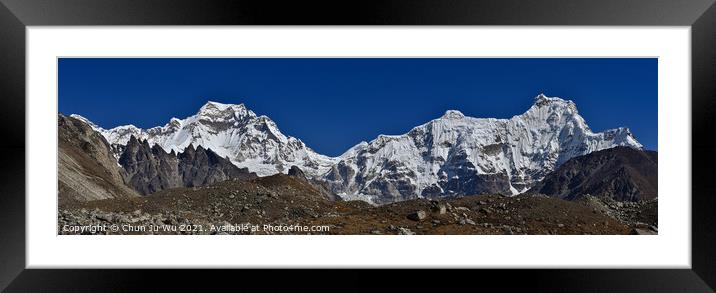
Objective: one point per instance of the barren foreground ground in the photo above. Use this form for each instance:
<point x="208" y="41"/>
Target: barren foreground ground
<point x="283" y="205"/>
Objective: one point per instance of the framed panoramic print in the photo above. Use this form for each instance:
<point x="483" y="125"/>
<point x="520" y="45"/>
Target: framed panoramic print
<point x="532" y="136"/>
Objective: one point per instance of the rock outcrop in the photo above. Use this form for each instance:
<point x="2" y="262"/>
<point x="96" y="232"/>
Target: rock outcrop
<point x="150" y="169"/>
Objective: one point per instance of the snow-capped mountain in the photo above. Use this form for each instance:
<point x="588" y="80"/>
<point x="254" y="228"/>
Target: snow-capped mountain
<point x="232" y="131"/>
<point x="459" y="155"/>
<point x="451" y="155"/>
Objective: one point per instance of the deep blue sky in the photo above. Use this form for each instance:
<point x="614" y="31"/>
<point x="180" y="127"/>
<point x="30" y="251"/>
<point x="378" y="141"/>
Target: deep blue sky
<point x="333" y="104"/>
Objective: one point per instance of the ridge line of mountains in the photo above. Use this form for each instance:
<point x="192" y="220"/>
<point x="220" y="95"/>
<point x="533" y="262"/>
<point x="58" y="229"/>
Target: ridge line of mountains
<point x="548" y="149"/>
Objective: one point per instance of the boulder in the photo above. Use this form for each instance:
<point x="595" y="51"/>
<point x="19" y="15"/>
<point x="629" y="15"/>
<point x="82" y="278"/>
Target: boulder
<point x="637" y="231"/>
<point x="405" y="231"/>
<point x="438" y="208"/>
<point x="418" y="215"/>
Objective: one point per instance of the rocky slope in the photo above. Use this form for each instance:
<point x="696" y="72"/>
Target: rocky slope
<point x="232" y="131"/>
<point x="151" y="169"/>
<point x="459" y="155"/>
<point x="620" y="173"/>
<point x="86" y="168"/>
<point x="282" y="202"/>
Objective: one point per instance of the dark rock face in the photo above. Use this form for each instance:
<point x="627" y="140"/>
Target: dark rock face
<point x="295" y="171"/>
<point x="319" y="185"/>
<point x="620" y="173"/>
<point x="391" y="189"/>
<point x="339" y="176"/>
<point x="86" y="168"/>
<point x="151" y="169"/>
<point x="460" y="177"/>
<point x="148" y="169"/>
<point x="203" y="166"/>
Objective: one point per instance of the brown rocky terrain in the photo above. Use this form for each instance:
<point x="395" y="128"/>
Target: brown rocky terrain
<point x="282" y="200"/>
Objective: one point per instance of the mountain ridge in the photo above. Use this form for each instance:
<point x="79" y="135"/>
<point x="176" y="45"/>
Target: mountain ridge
<point x="451" y="155"/>
<point x="459" y="155"/>
<point x="618" y="173"/>
<point x="231" y="130"/>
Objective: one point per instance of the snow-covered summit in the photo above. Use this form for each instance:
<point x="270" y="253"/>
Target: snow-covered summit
<point x="218" y="112"/>
<point x="453" y="114"/>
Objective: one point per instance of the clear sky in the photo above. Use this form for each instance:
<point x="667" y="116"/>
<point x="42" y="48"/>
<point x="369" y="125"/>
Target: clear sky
<point x="334" y="103"/>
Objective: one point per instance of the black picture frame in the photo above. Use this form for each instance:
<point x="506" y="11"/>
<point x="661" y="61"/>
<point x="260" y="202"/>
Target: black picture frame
<point x="16" y="15"/>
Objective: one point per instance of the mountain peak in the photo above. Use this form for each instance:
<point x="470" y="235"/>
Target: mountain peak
<point x="453" y="114"/>
<point x="553" y="103"/>
<point x="221" y="106"/>
<point x="542" y="99"/>
<point x="216" y="109"/>
<point x="174" y="122"/>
